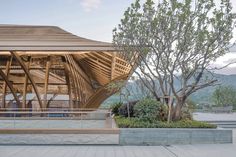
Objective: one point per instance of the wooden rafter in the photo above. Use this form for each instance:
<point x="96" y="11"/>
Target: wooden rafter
<point x="113" y="64"/>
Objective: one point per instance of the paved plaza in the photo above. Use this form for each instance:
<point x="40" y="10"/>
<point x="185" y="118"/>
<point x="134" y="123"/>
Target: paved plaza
<point x="203" y="150"/>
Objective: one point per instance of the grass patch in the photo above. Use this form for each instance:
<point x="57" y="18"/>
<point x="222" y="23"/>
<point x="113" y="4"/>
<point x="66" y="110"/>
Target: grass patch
<point x="124" y="122"/>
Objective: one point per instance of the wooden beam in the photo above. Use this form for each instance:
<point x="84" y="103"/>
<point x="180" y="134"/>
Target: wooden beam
<point x="4" y="88"/>
<point x="2" y="74"/>
<point x="18" y="59"/>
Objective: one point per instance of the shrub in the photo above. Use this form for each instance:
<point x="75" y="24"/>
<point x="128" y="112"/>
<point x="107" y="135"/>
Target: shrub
<point x="123" y="122"/>
<point x="115" y="108"/>
<point x="186" y="113"/>
<point x="123" y="110"/>
<point x="150" y="110"/>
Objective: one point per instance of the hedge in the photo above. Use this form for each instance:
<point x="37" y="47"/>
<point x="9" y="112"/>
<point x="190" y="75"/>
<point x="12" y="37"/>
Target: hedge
<point x="124" y="122"/>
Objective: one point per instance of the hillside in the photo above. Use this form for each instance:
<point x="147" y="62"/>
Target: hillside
<point x="201" y="96"/>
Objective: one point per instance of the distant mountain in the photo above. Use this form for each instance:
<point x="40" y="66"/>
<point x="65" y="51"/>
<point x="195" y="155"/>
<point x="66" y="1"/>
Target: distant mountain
<point x="204" y="95"/>
<point x="201" y="96"/>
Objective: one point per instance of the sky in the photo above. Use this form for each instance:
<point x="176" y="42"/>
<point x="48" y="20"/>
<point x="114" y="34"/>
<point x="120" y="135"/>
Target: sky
<point x="93" y="19"/>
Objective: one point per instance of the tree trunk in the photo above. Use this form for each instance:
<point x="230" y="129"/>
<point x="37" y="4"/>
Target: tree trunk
<point x="176" y="114"/>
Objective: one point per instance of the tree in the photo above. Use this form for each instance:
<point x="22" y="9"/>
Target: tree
<point x="224" y="96"/>
<point x="174" y="43"/>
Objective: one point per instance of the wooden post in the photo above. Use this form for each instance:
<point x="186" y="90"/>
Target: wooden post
<point x="46" y="82"/>
<point x="25" y="84"/>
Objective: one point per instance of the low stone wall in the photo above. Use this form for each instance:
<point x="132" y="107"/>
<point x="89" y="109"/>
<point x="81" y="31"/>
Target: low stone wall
<point x="58" y="139"/>
<point x="171" y="136"/>
<point x="122" y="136"/>
<point x="58" y="136"/>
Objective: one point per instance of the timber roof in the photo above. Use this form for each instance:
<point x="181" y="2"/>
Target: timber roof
<point x="46" y="38"/>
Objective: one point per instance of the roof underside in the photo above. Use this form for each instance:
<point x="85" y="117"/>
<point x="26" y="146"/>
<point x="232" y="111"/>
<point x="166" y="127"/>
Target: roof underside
<point x="46" y="38"/>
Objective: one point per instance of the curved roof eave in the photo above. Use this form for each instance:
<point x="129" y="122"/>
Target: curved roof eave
<point x="46" y="38"/>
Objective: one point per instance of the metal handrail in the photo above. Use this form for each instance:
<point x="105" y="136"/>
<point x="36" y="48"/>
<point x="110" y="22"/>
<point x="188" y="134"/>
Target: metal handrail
<point x="71" y="112"/>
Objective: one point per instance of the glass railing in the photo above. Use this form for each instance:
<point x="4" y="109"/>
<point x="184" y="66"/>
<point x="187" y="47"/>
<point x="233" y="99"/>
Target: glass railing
<point x="55" y="118"/>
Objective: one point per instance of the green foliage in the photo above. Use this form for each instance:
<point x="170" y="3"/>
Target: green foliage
<point x="127" y="109"/>
<point x="224" y="96"/>
<point x="123" y="122"/>
<point x="115" y="108"/>
<point x="175" y="37"/>
<point x="150" y="110"/>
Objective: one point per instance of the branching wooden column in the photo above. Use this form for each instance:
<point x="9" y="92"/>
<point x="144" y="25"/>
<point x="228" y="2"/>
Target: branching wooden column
<point x="75" y="86"/>
<point x="4" y="88"/>
<point x="23" y="66"/>
<point x="68" y="82"/>
<point x="10" y="86"/>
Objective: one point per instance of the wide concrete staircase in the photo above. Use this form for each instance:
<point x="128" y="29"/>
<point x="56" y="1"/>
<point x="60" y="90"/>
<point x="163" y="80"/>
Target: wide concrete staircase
<point x="224" y="124"/>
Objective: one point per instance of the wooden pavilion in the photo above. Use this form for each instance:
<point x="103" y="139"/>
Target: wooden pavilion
<point x="47" y="60"/>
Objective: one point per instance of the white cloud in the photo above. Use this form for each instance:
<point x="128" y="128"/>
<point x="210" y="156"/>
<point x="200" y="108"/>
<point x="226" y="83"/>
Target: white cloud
<point x="89" y="5"/>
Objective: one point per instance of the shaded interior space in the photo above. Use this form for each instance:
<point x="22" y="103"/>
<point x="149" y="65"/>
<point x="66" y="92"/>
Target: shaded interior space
<point x="45" y="68"/>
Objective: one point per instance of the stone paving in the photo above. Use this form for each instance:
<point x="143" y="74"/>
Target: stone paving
<point x="213" y="150"/>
